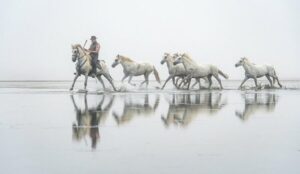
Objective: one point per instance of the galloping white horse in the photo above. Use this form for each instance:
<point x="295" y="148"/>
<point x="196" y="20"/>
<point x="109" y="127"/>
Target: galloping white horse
<point x="200" y="71"/>
<point x="174" y="70"/>
<point x="256" y="71"/>
<point x="132" y="68"/>
<point x="84" y="66"/>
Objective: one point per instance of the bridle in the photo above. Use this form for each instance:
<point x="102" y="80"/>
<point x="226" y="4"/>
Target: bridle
<point x="77" y="57"/>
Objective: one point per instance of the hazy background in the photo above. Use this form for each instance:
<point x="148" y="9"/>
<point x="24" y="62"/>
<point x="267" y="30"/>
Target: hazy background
<point x="36" y="35"/>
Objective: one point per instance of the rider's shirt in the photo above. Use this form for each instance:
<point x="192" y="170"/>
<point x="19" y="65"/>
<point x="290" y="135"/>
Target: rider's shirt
<point x="93" y="47"/>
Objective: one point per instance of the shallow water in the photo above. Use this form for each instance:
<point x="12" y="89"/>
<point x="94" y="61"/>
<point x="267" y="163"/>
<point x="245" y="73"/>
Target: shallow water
<point x="46" y="129"/>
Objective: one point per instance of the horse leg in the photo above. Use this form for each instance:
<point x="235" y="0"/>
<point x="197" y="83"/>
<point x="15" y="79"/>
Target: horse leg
<point x="170" y="77"/>
<point x="147" y="80"/>
<point x="143" y="81"/>
<point x="129" y="81"/>
<point x="176" y="82"/>
<point x="245" y="79"/>
<point x="75" y="78"/>
<point x="255" y="81"/>
<point x="278" y="82"/>
<point x="173" y="80"/>
<point x="125" y="76"/>
<point x="110" y="80"/>
<point x="209" y="81"/>
<point x="276" y="78"/>
<point x="219" y="80"/>
<point x="195" y="83"/>
<point x="197" y="80"/>
<point x="187" y="80"/>
<point x="270" y="80"/>
<point x="85" y="81"/>
<point x="182" y="82"/>
<point x="189" y="83"/>
<point x="101" y="81"/>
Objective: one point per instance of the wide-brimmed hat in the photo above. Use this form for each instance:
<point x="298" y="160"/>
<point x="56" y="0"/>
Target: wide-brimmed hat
<point x="93" y="37"/>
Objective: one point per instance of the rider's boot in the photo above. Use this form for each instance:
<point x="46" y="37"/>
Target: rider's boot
<point x="93" y="72"/>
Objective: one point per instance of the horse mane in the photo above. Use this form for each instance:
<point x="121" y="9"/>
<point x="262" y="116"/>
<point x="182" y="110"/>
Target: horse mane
<point x="187" y="57"/>
<point x="247" y="60"/>
<point x="126" y="58"/>
<point x="77" y="45"/>
<point x="174" y="56"/>
<point x="88" y="56"/>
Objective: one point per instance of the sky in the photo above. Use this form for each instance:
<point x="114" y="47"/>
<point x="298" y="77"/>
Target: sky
<point x="36" y="35"/>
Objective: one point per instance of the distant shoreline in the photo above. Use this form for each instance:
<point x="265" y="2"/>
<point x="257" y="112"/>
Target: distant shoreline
<point x="262" y="79"/>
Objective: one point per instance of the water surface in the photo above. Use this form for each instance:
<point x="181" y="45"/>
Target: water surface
<point x="46" y="129"/>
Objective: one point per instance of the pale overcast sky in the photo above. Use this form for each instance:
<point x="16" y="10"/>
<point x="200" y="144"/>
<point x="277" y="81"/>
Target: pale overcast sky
<point x="36" y="35"/>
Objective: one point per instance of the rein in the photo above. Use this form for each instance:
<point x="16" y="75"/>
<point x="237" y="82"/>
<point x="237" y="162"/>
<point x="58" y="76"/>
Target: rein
<point x="80" y="57"/>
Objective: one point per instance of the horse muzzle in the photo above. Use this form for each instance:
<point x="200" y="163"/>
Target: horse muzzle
<point x="113" y="65"/>
<point x="162" y="62"/>
<point x="74" y="58"/>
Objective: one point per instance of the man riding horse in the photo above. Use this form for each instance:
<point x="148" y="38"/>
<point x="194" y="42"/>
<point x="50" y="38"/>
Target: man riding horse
<point x="94" y="52"/>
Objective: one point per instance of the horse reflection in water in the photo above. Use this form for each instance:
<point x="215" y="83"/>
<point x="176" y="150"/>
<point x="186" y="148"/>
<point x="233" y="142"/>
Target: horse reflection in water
<point x="255" y="102"/>
<point x="136" y="106"/>
<point x="184" y="108"/>
<point x="88" y="119"/>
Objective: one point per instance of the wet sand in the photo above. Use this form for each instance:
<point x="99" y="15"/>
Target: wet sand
<point x="46" y="129"/>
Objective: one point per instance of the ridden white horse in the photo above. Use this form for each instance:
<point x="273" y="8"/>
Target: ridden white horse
<point x="132" y="68"/>
<point x="84" y="67"/>
<point x="256" y="71"/>
<point x="200" y="71"/>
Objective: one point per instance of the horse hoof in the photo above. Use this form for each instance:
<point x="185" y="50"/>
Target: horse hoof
<point x="82" y="91"/>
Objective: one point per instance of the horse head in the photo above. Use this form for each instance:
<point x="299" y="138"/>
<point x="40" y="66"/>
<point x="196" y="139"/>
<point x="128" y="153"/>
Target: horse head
<point x="75" y="53"/>
<point x="178" y="59"/>
<point x="165" y="58"/>
<point x="241" y="62"/>
<point x="117" y="61"/>
<point x="175" y="56"/>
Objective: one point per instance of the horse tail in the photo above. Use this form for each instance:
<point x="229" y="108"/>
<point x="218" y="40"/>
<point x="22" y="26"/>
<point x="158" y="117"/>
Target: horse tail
<point x="223" y="74"/>
<point x="156" y="75"/>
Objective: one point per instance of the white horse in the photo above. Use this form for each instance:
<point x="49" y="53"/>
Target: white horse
<point x="84" y="66"/>
<point x="200" y="71"/>
<point x="132" y="68"/>
<point x="256" y="71"/>
<point x="175" y="70"/>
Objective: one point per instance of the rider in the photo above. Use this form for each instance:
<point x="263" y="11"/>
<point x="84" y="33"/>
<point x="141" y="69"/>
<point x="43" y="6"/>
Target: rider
<point x="94" y="52"/>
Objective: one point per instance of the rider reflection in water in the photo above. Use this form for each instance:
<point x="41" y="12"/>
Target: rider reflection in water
<point x="94" y="131"/>
<point x="88" y="119"/>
